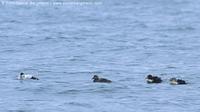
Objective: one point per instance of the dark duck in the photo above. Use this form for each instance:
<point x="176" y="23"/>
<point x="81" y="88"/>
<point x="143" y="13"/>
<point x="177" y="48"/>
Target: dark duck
<point x="175" y="81"/>
<point x="96" y="78"/>
<point x="153" y="79"/>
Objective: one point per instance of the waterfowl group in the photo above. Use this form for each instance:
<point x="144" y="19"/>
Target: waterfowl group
<point x="23" y="76"/>
<point x="149" y="79"/>
<point x="156" y="79"/>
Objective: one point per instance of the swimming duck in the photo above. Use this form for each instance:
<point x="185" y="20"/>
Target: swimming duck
<point x="102" y="80"/>
<point x="153" y="79"/>
<point x="175" y="81"/>
<point x="23" y="76"/>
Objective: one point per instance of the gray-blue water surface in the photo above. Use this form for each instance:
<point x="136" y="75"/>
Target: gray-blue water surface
<point x="121" y="40"/>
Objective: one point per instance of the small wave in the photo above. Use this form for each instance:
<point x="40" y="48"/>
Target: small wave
<point x="78" y="104"/>
<point x="76" y="59"/>
<point x="76" y="91"/>
<point x="20" y="110"/>
<point x="184" y="28"/>
<point x="61" y="82"/>
<point x="71" y="91"/>
<point x="27" y="44"/>
<point x="171" y="67"/>
<point x="48" y="38"/>
<point x="84" y="72"/>
<point x="33" y="100"/>
<point x="144" y="39"/>
<point x="9" y="50"/>
<point x="13" y="21"/>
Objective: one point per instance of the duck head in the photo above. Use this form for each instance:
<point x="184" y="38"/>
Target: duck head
<point x="21" y="73"/>
<point x="173" y="79"/>
<point x="95" y="77"/>
<point x="149" y="77"/>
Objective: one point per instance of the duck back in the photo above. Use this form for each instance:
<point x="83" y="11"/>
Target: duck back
<point x="102" y="80"/>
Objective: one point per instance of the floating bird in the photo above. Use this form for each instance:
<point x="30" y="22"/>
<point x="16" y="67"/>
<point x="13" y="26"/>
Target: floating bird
<point x="175" y="81"/>
<point x="153" y="79"/>
<point x="23" y="76"/>
<point x="102" y="80"/>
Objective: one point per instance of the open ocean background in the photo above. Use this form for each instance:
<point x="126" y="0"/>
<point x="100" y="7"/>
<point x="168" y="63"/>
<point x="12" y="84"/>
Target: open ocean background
<point x="120" y="40"/>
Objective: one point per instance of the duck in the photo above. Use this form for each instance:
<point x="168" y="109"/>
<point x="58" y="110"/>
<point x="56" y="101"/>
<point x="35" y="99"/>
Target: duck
<point x="23" y="76"/>
<point x="153" y="79"/>
<point x="174" y="81"/>
<point x="101" y="80"/>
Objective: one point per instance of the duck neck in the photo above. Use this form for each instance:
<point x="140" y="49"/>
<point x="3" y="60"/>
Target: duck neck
<point x="96" y="79"/>
<point x="21" y="76"/>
